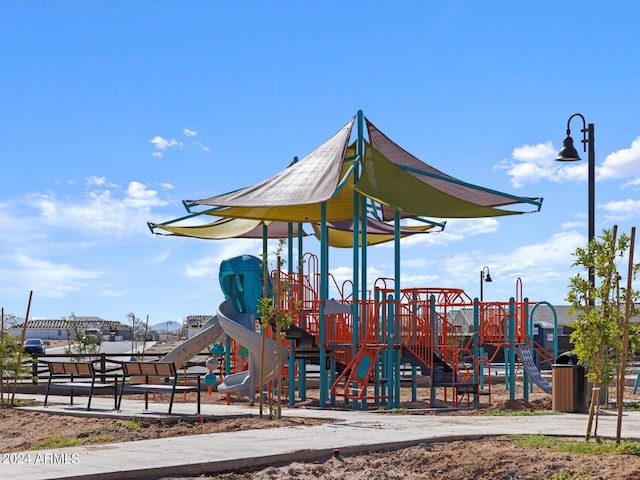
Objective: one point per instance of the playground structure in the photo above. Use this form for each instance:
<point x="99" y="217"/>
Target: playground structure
<point x="356" y="194"/>
<point x="366" y="363"/>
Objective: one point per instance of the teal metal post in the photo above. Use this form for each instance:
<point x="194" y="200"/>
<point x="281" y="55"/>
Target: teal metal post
<point x="555" y="325"/>
<point x="389" y="353"/>
<point x="355" y="344"/>
<point x="527" y="384"/>
<point x="511" y="350"/>
<point x="414" y="369"/>
<point x="291" y="377"/>
<point x="432" y="340"/>
<point x="324" y="271"/>
<point x="378" y="389"/>
<point x="292" y="373"/>
<point x="302" y="365"/>
<point x="397" y="294"/>
<point x="478" y="373"/>
<point x="265" y="282"/>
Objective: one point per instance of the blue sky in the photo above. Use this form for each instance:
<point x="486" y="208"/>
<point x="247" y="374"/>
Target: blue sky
<point x="114" y="112"/>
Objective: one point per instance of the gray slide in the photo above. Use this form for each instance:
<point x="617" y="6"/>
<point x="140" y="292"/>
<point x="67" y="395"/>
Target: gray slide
<point x="240" y="327"/>
<point x="524" y="352"/>
<point x="191" y="347"/>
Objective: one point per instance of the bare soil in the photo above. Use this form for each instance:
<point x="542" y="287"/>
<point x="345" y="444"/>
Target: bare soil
<point x="491" y="458"/>
<point x="495" y="458"/>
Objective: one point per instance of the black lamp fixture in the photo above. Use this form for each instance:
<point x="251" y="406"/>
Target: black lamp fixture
<point x="484" y="278"/>
<point x="568" y="153"/>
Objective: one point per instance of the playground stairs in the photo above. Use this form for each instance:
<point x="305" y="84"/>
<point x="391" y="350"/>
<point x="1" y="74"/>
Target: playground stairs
<point x="359" y="373"/>
<point x="303" y="339"/>
<point x="443" y="374"/>
<point x="307" y="349"/>
<point x="408" y="355"/>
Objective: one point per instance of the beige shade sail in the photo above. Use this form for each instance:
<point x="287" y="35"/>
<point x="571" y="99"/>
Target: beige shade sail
<point x="226" y="228"/>
<point x="393" y="187"/>
<point x="461" y="199"/>
<point x="341" y="232"/>
<point x="312" y="180"/>
<point x="389" y="175"/>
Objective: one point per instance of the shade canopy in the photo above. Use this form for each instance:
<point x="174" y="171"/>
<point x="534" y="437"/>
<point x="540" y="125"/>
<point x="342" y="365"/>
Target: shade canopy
<point x="390" y="178"/>
<point x="226" y="228"/>
<point x="340" y="233"/>
<point x="432" y="190"/>
<point x="309" y="181"/>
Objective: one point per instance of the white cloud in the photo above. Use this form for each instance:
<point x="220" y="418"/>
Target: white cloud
<point x="632" y="183"/>
<point x="574" y="224"/>
<point x="557" y="249"/>
<point x="47" y="278"/>
<point x="101" y="210"/>
<point x="204" y="267"/>
<point x="162" y="144"/>
<point x="417" y="262"/>
<point x="624" y="163"/>
<point x="202" y="146"/>
<point x="190" y="133"/>
<point x="622" y="209"/>
<point x="99" y="182"/>
<point x="209" y="266"/>
<point x="96" y="181"/>
<point x="166" y="186"/>
<point x="542" y="153"/>
<point x="138" y="195"/>
<point x="530" y="164"/>
<point x="419" y="280"/>
<point x="455" y="230"/>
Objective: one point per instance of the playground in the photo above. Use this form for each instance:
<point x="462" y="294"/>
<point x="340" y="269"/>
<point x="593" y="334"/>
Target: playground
<point x="369" y="338"/>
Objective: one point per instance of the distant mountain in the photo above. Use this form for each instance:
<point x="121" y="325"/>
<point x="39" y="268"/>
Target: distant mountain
<point x="164" y="326"/>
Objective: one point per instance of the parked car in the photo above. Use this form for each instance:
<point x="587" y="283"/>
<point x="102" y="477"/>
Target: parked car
<point x="34" y="346"/>
<point x="93" y="335"/>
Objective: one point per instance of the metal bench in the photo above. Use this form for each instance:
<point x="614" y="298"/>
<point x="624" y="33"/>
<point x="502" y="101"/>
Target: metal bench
<point x="78" y="377"/>
<point x="163" y="372"/>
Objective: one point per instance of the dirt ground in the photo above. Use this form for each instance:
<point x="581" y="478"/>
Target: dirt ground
<point x="495" y="458"/>
<point x="491" y="458"/>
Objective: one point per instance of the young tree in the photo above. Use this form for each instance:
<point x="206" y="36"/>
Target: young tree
<point x="77" y="341"/>
<point x="599" y="326"/>
<point x="279" y="313"/>
<point x="9" y="359"/>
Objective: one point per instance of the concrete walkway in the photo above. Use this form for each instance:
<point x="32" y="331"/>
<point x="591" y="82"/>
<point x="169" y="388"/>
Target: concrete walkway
<point x="349" y="431"/>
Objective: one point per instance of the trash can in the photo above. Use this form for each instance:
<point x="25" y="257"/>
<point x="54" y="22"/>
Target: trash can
<point x="569" y="384"/>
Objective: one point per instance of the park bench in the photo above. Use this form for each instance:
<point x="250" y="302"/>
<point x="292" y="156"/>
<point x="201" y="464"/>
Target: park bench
<point x="166" y="379"/>
<point x="78" y="377"/>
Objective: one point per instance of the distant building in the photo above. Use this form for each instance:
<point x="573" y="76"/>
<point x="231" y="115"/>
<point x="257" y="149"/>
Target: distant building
<point x="61" y="329"/>
<point x="462" y="318"/>
<point x="193" y="323"/>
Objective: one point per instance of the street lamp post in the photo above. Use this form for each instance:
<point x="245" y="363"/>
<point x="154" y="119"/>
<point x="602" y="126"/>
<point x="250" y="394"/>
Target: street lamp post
<point x="568" y="153"/>
<point x="484" y="278"/>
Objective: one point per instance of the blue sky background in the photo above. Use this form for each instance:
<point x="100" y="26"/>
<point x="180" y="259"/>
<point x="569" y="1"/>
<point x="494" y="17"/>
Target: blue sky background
<point x="114" y="112"/>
